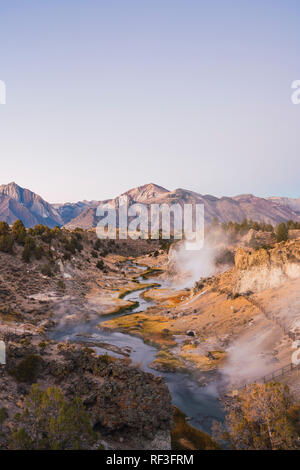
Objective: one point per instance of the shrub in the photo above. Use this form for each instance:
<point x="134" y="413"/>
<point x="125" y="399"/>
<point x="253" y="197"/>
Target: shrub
<point x="77" y="233"/>
<point x="97" y="244"/>
<point x="100" y="264"/>
<point x="165" y="245"/>
<point x="3" y="416"/>
<point x="46" y="270"/>
<point x="47" y="235"/>
<point x="26" y="370"/>
<point x="29" y="248"/>
<point x="26" y="254"/>
<point x="266" y="247"/>
<point x="61" y="284"/>
<point x="44" y="232"/>
<point x="70" y="248"/>
<point x="73" y="245"/>
<point x="75" y="241"/>
<point x="6" y="243"/>
<point x="39" y="229"/>
<point x="104" y="359"/>
<point x="57" y="232"/>
<point x="49" y="422"/>
<point x="67" y="256"/>
<point x="39" y="252"/>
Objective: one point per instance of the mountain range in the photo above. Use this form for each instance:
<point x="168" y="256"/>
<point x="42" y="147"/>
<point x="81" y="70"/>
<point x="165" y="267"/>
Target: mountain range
<point x="32" y="209"/>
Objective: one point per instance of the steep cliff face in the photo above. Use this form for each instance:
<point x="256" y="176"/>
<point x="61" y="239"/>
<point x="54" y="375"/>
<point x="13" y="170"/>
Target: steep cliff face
<point x="264" y="269"/>
<point x="19" y="203"/>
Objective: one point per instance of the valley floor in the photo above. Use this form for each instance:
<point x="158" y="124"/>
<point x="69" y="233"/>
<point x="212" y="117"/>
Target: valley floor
<point x="211" y="333"/>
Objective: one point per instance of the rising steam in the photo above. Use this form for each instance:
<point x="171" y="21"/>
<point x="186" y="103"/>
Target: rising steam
<point x="190" y="265"/>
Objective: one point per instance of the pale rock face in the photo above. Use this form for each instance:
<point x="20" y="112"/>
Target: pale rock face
<point x="293" y="270"/>
<point x="259" y="279"/>
<point x="265" y="269"/>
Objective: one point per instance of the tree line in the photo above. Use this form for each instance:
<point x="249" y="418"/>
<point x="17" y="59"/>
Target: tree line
<point x="280" y="232"/>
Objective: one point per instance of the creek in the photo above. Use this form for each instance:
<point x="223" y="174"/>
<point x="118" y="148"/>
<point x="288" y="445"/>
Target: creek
<point x="199" y="403"/>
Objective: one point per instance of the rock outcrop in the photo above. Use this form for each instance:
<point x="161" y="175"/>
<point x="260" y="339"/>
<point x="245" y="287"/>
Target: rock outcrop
<point x="267" y="268"/>
<point x="125" y="404"/>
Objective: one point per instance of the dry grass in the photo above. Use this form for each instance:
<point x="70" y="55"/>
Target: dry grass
<point x="154" y="329"/>
<point x="202" y="361"/>
<point x="167" y="362"/>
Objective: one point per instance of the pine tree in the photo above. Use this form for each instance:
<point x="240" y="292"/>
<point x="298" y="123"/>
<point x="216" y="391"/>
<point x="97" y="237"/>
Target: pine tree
<point x="282" y="232"/>
<point x="19" y="232"/>
<point x="4" y="228"/>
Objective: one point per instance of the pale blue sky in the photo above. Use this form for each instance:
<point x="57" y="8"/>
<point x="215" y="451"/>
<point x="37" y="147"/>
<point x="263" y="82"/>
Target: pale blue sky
<point x="106" y="95"/>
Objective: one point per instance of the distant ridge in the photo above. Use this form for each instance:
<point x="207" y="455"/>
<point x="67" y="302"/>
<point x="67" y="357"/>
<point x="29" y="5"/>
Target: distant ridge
<point x="19" y="203"/>
<point x="224" y="209"/>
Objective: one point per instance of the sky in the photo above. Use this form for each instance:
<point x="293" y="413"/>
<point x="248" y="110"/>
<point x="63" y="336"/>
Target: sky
<point x="106" y="95"/>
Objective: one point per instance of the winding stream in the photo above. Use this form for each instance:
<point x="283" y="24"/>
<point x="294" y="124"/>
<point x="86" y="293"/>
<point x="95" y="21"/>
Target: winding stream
<point x="200" y="404"/>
